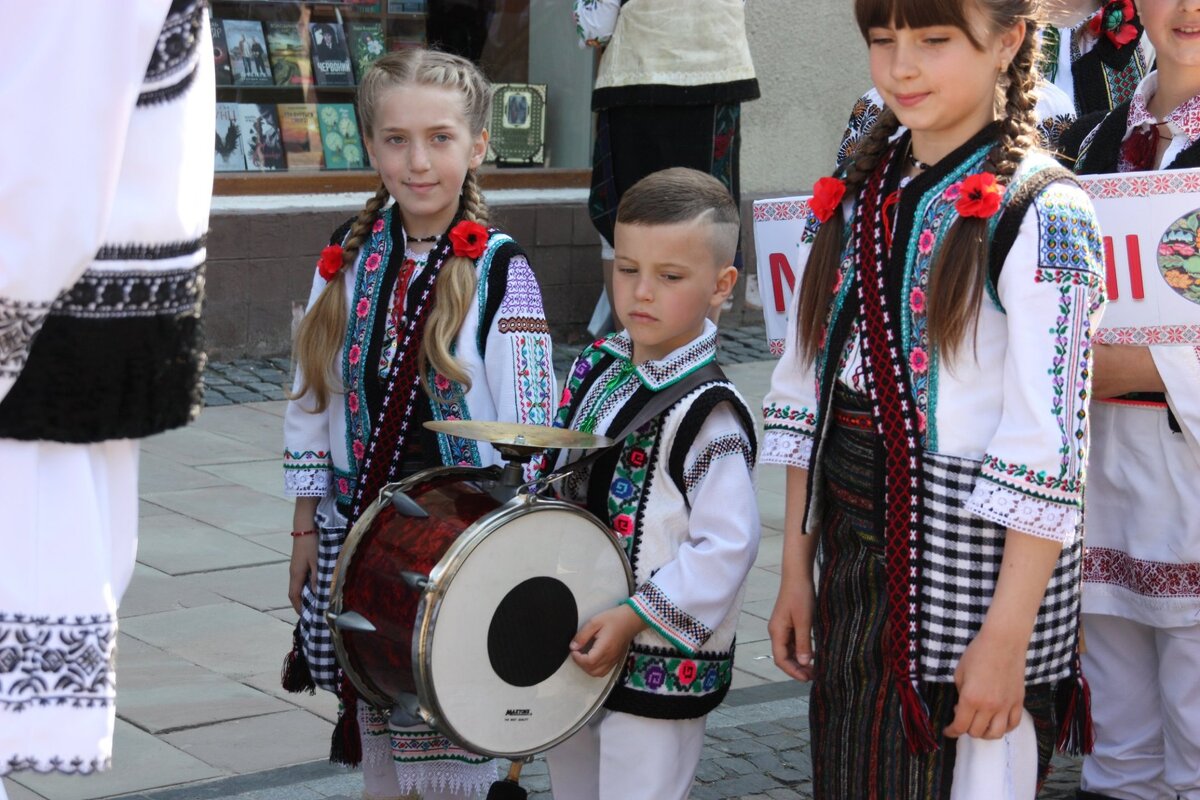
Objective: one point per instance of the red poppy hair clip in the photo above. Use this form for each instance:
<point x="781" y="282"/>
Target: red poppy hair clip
<point x="468" y="239"/>
<point x="330" y="262"/>
<point x="826" y="197"/>
<point x="1115" y="21"/>
<point x="979" y="195"/>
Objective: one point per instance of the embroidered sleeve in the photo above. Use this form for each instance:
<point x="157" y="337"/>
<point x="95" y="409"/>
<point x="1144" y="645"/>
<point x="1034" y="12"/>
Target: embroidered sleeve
<point x="863" y="117"/>
<point x="1179" y="368"/>
<point x="520" y="371"/>
<point x="1052" y="289"/>
<point x="307" y="462"/>
<point x="692" y="593"/>
<point x="1055" y="113"/>
<point x="595" y="21"/>
<point x="790" y="406"/>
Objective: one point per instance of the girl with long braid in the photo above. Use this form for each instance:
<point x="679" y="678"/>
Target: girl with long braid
<point x="932" y="409"/>
<point x="418" y="302"/>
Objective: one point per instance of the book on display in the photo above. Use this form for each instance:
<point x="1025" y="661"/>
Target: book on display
<point x="247" y="52"/>
<point x="228" y="156"/>
<point x="261" y="141"/>
<point x="339" y="136"/>
<point x="290" y="64"/>
<point x="301" y="136"/>
<point x="330" y="55"/>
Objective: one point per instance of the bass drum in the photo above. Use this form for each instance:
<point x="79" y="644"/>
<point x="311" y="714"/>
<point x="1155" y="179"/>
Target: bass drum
<point x="444" y="592"/>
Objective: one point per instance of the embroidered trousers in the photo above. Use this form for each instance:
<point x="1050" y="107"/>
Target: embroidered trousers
<point x="1146" y="709"/>
<point x="623" y="756"/>
<point x="67" y="551"/>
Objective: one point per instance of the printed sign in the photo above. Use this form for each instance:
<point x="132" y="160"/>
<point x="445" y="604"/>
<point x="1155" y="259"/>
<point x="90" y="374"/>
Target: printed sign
<point x="778" y="228"/>
<point x="1150" y="222"/>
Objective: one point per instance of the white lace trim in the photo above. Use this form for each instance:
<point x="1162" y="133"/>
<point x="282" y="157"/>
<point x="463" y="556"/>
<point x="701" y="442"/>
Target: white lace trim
<point x="458" y="777"/>
<point x="307" y="482"/>
<point x="1024" y="513"/>
<point x="787" y="448"/>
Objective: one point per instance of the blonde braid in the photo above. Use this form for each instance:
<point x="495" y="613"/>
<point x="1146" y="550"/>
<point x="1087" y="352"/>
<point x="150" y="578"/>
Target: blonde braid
<point x="320" y="334"/>
<point x="455" y="295"/>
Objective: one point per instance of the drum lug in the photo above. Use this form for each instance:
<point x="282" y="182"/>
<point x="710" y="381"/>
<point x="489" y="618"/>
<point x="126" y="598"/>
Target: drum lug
<point x="406" y="713"/>
<point x="415" y="580"/>
<point x="407" y="506"/>
<point x="350" y="621"/>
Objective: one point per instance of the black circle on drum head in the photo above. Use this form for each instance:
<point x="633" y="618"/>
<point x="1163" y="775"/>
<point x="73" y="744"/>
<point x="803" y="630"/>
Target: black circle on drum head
<point x="531" y="631"/>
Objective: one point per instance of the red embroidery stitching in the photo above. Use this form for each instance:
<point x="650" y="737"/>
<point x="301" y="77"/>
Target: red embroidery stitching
<point x="1149" y="578"/>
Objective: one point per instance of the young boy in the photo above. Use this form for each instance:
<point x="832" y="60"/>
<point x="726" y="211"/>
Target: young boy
<point x="678" y="492"/>
<point x="1141" y="590"/>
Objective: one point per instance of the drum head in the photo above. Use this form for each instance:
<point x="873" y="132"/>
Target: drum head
<point x="495" y="665"/>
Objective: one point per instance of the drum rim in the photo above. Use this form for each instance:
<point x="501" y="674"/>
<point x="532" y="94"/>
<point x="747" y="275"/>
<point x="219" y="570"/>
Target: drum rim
<point x="431" y="600"/>
<point x="366" y="689"/>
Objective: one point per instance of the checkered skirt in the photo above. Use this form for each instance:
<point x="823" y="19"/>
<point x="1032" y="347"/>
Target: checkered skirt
<point x="960" y="561"/>
<point x="314" y="632"/>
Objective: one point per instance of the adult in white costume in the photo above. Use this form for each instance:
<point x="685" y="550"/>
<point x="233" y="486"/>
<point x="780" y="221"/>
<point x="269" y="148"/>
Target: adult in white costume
<point x="104" y="208"/>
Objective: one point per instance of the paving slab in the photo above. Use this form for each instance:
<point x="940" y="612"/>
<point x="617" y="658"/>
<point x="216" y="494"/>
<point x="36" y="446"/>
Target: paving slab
<point x="263" y="588"/>
<point x="227" y="638"/>
<point x="761" y="585"/>
<point x="177" y="544"/>
<point x="323" y="704"/>
<point x="265" y="477"/>
<point x="145" y="762"/>
<point x="273" y="407"/>
<point x="231" y="508"/>
<point x="258" y="743"/>
<point x="279" y="542"/>
<point x="244" y="423"/>
<point x="194" y="447"/>
<point x="160" y="474"/>
<point x="161" y="692"/>
<point x="152" y="591"/>
<point x="16" y="791"/>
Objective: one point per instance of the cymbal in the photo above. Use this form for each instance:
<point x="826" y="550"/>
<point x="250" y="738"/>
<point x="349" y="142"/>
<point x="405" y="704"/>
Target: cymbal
<point x="511" y="434"/>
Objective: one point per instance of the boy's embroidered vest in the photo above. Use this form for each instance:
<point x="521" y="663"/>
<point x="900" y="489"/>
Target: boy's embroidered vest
<point x="641" y="490"/>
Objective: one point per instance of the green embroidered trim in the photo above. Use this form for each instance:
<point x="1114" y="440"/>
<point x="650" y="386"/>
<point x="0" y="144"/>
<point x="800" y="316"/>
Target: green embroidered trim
<point x="484" y="265"/>
<point x="674" y="675"/>
<point x="997" y="470"/>
<point x="678" y="643"/>
<point x="625" y="371"/>
<point x="629" y="483"/>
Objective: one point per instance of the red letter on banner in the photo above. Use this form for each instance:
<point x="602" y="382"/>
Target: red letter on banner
<point x="1110" y="270"/>
<point x="781" y="270"/>
<point x="1135" y="267"/>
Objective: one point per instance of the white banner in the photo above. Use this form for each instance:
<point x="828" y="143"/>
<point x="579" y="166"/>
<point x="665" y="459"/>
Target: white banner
<point x="1151" y="227"/>
<point x="778" y="226"/>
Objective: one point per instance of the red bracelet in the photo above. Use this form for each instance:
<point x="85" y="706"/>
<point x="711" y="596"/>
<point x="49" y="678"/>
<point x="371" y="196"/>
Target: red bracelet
<point x="302" y="533"/>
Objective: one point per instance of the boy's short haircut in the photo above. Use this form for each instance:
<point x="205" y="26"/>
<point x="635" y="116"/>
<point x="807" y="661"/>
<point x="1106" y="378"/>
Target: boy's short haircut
<point x="680" y="194"/>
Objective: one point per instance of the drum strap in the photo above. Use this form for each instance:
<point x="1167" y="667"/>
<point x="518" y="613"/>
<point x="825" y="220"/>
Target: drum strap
<point x="659" y="402"/>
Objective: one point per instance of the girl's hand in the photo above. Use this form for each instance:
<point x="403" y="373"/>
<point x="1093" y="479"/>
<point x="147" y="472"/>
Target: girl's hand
<point x="790" y="628"/>
<point x="604" y="639"/>
<point x="991" y="686"/>
<point x="303" y="567"/>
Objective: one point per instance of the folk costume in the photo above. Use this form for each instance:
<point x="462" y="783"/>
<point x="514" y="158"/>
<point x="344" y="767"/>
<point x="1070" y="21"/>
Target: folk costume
<point x="339" y="455"/>
<point x="101" y="281"/>
<point x="679" y="494"/>
<point x="1141" y="591"/>
<point x="668" y="93"/>
<point x="917" y="468"/>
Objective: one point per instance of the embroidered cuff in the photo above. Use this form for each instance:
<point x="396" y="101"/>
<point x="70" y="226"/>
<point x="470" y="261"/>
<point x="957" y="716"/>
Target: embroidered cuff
<point x="307" y="474"/>
<point x="1023" y="512"/>
<point x="789" y="448"/>
<point x="56" y="661"/>
<point x="671" y="622"/>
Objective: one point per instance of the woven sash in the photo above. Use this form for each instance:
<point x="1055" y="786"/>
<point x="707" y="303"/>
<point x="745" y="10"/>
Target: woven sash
<point x="895" y="418"/>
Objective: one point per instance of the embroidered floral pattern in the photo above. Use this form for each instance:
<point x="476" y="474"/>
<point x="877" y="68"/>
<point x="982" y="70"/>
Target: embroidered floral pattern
<point x="307" y="474"/>
<point x="1156" y="579"/>
<point x="533" y="363"/>
<point x="19" y="323"/>
<point x="56" y="661"/>
<point x="629" y="482"/>
<point x="657" y="673"/>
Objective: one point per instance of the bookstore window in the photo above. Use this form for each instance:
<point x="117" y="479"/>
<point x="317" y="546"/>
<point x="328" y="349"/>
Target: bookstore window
<point x="287" y="74"/>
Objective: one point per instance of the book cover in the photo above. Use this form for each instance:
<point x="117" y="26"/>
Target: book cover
<point x="518" y="125"/>
<point x="301" y="136"/>
<point x="289" y="54"/>
<point x="221" y="54"/>
<point x="228" y="151"/>
<point x="397" y="43"/>
<point x="339" y="136"/>
<point x="261" y="142"/>
<point x="247" y="52"/>
<point x="330" y="56"/>
<point x="366" y="44"/>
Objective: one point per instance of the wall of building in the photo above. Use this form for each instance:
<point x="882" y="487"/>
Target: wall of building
<point x="812" y="66"/>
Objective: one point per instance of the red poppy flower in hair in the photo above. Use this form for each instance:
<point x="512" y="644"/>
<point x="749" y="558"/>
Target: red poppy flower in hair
<point x="469" y="239"/>
<point x="330" y="262"/>
<point x="1115" y="21"/>
<point x="979" y="195"/>
<point x="827" y="197"/>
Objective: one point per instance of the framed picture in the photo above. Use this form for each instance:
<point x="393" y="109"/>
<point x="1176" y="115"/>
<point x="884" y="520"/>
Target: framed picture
<point x="518" y="128"/>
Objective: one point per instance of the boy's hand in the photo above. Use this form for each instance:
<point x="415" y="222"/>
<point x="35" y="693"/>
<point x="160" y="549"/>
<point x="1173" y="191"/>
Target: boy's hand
<point x="604" y="639"/>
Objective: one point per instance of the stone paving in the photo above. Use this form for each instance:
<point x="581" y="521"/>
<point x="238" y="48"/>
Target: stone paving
<point x="205" y="623"/>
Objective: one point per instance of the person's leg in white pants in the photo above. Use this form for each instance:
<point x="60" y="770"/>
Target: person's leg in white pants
<point x="1179" y="681"/>
<point x="1121" y="666"/>
<point x="624" y="757"/>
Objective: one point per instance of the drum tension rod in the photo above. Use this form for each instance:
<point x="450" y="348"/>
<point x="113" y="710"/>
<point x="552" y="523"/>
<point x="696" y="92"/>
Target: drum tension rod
<point x="407" y="506"/>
